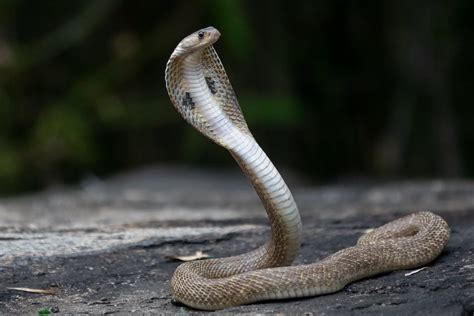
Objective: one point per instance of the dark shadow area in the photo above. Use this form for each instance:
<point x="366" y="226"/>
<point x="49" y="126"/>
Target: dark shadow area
<point x="334" y="90"/>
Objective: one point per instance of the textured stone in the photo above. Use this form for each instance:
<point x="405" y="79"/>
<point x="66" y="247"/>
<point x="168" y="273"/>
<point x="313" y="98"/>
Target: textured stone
<point x="103" y="246"/>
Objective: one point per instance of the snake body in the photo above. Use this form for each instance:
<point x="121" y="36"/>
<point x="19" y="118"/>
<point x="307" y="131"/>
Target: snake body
<point x="201" y="92"/>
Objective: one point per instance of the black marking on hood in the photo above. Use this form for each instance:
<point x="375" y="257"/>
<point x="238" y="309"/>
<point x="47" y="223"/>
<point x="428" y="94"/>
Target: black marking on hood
<point x="188" y="101"/>
<point x="211" y="85"/>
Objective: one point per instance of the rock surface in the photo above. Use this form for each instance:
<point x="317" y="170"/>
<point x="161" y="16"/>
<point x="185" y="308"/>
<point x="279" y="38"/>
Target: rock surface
<point x="103" y="247"/>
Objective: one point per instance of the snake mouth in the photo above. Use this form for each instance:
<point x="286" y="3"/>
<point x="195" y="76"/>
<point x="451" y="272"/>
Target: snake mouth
<point x="213" y="33"/>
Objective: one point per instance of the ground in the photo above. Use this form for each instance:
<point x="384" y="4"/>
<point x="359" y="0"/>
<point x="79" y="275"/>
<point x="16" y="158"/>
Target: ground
<point x="104" y="246"/>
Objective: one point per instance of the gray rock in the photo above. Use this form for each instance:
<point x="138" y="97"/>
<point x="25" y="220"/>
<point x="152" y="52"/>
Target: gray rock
<point x="103" y="247"/>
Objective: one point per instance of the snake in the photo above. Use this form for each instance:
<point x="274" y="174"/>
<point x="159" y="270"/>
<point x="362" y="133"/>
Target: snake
<point x="201" y="92"/>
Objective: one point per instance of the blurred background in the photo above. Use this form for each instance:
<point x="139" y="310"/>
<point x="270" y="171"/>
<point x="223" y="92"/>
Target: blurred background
<point x="333" y="90"/>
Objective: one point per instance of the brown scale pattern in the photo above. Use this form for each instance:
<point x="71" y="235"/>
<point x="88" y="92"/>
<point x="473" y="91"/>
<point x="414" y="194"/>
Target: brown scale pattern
<point x="263" y="274"/>
<point x="177" y="92"/>
<point x="225" y="96"/>
<point x="387" y="248"/>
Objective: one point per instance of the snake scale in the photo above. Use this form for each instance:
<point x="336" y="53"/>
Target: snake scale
<point x="201" y="92"/>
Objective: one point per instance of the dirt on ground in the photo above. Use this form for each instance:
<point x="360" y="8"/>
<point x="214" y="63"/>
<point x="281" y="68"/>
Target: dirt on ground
<point x="104" y="246"/>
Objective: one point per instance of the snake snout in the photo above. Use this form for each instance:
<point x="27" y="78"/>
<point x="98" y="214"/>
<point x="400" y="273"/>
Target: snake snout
<point x="213" y="32"/>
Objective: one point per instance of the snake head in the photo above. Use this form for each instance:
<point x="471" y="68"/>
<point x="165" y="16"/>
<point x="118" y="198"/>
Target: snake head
<point x="198" y="40"/>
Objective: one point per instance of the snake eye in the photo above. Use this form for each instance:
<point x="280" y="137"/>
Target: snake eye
<point x="201" y="34"/>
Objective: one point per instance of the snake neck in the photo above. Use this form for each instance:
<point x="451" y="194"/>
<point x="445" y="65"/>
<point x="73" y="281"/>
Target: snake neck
<point x="283" y="214"/>
<point x="275" y="195"/>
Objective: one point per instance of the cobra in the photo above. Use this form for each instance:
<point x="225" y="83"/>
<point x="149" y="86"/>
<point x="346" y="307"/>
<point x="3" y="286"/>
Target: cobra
<point x="200" y="90"/>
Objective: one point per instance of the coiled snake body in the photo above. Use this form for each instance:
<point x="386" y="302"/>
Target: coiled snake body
<point x="201" y="92"/>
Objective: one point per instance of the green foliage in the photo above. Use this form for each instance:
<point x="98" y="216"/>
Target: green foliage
<point x="10" y="162"/>
<point x="335" y="87"/>
<point x="44" y="311"/>
<point x="63" y="132"/>
<point x="277" y="111"/>
<point x="232" y="20"/>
